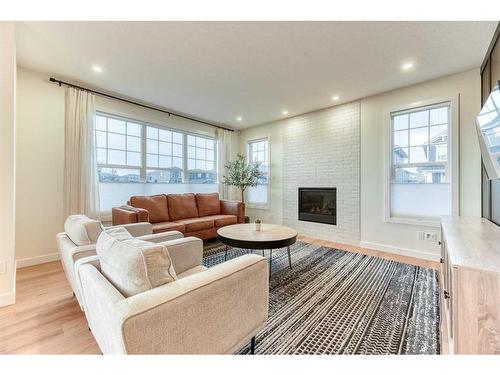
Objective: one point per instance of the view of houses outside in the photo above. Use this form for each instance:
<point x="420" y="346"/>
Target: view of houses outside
<point x="121" y="154"/>
<point x="420" y="146"/>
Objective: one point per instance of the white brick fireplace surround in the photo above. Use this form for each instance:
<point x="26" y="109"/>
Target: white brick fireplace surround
<point x="322" y="149"/>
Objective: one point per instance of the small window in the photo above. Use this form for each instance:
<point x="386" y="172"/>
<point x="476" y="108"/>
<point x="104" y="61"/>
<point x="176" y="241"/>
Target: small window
<point x="164" y="156"/>
<point x="420" y="163"/>
<point x="258" y="152"/>
<point x="118" y="148"/>
<point x="201" y="160"/>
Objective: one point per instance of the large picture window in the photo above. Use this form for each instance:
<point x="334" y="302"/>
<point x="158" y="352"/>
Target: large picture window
<point x="258" y="152"/>
<point x="131" y="151"/>
<point x="420" y="163"/>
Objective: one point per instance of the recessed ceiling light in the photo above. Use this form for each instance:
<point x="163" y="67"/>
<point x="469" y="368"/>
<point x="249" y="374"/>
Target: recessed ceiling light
<point x="96" y="69"/>
<point x="284" y="112"/>
<point x="239" y="118"/>
<point x="407" y="66"/>
<point x="335" y="98"/>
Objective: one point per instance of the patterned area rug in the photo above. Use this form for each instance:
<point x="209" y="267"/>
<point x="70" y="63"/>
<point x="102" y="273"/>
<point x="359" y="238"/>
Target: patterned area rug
<point x="337" y="302"/>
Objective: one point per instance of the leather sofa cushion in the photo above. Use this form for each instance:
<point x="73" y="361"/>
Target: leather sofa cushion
<point x="223" y="220"/>
<point x="82" y="230"/>
<point x="132" y="265"/>
<point x="168" y="226"/>
<point x="182" y="206"/>
<point x="208" y="204"/>
<point x="156" y="205"/>
<point x="196" y="224"/>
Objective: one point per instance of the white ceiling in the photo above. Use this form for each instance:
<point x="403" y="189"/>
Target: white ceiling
<point x="218" y="71"/>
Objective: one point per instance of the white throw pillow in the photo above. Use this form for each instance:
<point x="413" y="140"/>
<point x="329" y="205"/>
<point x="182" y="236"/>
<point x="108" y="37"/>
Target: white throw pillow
<point x="82" y="230"/>
<point x="133" y="266"/>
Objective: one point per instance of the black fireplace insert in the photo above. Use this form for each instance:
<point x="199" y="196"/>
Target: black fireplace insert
<point x="318" y="205"/>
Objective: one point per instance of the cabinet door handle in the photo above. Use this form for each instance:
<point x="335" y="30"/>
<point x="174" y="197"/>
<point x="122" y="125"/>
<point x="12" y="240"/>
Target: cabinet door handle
<point x="439" y="243"/>
<point x="447" y="294"/>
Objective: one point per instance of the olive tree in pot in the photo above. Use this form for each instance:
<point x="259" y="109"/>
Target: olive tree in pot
<point x="242" y="175"/>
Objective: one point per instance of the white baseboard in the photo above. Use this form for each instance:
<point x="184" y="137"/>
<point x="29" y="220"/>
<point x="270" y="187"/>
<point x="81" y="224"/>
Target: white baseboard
<point x="401" y="251"/>
<point x="33" y="261"/>
<point x="7" y="299"/>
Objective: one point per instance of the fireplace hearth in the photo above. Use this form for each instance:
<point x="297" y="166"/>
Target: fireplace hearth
<point x="318" y="205"/>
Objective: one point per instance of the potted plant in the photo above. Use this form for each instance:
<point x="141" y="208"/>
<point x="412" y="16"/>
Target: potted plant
<point x="257" y="224"/>
<point x="242" y="175"/>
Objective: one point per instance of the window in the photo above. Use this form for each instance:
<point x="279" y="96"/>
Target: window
<point x="202" y="168"/>
<point x="131" y="151"/>
<point x="258" y="152"/>
<point x="119" y="148"/>
<point x="420" y="183"/>
<point x="164" y="156"/>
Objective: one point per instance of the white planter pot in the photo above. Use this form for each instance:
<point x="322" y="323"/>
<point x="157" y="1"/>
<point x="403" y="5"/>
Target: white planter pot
<point x="257" y="226"/>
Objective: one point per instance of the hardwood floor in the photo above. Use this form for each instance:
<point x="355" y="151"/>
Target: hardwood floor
<point x="375" y="253"/>
<point x="46" y="318"/>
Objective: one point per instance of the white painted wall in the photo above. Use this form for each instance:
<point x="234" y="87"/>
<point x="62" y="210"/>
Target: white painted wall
<point x="39" y="167"/>
<point x="7" y="162"/>
<point x="376" y="233"/>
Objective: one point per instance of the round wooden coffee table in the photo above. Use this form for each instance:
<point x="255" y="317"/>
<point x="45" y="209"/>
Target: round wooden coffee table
<point x="269" y="237"/>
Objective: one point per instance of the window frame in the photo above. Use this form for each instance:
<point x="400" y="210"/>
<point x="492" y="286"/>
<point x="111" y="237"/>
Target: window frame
<point x="452" y="168"/>
<point x="256" y="205"/>
<point x="143" y="138"/>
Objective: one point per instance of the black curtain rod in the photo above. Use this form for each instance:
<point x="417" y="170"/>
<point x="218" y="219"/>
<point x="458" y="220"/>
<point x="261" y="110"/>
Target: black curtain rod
<point x="135" y="103"/>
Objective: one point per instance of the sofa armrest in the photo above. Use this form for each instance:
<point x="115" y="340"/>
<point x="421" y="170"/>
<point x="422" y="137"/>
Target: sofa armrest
<point x="92" y="260"/>
<point x="136" y="229"/>
<point x="100" y="298"/>
<point x="186" y="253"/>
<point x="79" y="252"/>
<point x="162" y="237"/>
<point x="128" y="214"/>
<point x="233" y="208"/>
<point x="213" y="312"/>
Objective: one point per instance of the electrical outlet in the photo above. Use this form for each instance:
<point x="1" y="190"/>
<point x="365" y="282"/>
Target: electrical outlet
<point x="3" y="267"/>
<point x="431" y="236"/>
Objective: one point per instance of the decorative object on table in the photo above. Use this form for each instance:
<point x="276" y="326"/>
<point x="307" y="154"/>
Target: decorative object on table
<point x="242" y="175"/>
<point x="257" y="224"/>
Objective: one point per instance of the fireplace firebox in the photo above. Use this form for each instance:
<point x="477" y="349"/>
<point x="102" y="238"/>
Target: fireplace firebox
<point x="318" y="205"/>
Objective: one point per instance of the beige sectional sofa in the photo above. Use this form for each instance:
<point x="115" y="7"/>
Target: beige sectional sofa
<point x="79" y="241"/>
<point x="145" y="298"/>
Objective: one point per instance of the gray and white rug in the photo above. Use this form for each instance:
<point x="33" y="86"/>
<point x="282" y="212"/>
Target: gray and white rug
<point x="337" y="302"/>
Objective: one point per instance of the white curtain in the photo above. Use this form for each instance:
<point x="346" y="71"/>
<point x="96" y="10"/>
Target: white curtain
<point x="81" y="183"/>
<point x="223" y="157"/>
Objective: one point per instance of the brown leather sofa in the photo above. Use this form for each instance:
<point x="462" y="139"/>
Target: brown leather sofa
<point x="197" y="215"/>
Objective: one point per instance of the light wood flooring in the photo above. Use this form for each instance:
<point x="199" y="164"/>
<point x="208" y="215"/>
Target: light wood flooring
<point x="46" y="318"/>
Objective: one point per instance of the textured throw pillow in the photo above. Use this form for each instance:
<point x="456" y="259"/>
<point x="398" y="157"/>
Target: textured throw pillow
<point x="133" y="266"/>
<point x="82" y="230"/>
